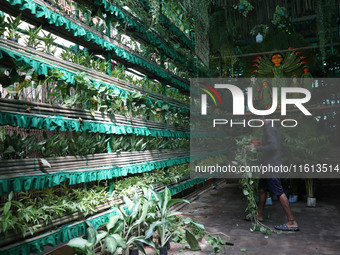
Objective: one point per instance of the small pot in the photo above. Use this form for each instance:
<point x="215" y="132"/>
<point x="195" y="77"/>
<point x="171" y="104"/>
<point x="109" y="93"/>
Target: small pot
<point x="168" y="245"/>
<point x="163" y="250"/>
<point x="133" y="251"/>
<point x="255" y="142"/>
<point x="140" y="243"/>
<point x="14" y="39"/>
<point x="311" y="201"/>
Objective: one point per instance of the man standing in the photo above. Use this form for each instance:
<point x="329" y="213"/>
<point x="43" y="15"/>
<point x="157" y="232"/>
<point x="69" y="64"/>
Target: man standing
<point x="271" y="150"/>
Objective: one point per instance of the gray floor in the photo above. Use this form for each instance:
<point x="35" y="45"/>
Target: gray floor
<point x="223" y="210"/>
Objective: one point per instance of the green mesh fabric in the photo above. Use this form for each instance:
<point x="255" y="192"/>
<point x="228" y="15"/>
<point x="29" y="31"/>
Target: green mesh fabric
<point x="57" y="19"/>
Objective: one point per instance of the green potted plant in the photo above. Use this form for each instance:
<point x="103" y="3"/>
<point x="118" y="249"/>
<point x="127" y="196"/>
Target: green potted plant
<point x="110" y="240"/>
<point x="48" y="41"/>
<point x="311" y="200"/>
<point x="164" y="219"/>
<point x="13" y="26"/>
<point x="32" y="41"/>
<point x="134" y="214"/>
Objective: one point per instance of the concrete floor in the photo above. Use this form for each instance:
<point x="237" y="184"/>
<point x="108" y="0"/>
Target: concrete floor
<point x="222" y="210"/>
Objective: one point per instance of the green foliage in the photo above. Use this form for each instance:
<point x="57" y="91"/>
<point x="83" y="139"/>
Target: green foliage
<point x="244" y="7"/>
<point x="3" y="24"/>
<point x="246" y="157"/>
<point x="262" y="28"/>
<point x="80" y="144"/>
<point x="305" y="143"/>
<point x="13" y="26"/>
<point x="33" y="39"/>
<point x="280" y="17"/>
<point x="48" y="44"/>
<point x="164" y="217"/>
<point x="216" y="243"/>
<point x="39" y="207"/>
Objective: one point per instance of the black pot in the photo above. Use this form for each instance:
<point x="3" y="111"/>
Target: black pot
<point x="140" y="243"/>
<point x="163" y="250"/>
<point x="133" y="251"/>
<point x="14" y="39"/>
<point x="168" y="245"/>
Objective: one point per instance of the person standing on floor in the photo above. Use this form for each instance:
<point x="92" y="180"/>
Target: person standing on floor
<point x="271" y="151"/>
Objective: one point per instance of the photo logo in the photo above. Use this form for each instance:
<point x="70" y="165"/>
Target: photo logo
<point x="204" y="97"/>
<point x="239" y="99"/>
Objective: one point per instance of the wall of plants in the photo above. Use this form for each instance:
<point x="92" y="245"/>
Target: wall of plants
<point x="78" y="131"/>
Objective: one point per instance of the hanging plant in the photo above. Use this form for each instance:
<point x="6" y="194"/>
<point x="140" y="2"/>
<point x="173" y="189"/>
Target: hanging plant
<point x="280" y="18"/>
<point x="244" y="7"/>
<point x="261" y="28"/>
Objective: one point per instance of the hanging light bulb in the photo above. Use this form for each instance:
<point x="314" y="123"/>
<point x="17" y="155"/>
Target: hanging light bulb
<point x="259" y="38"/>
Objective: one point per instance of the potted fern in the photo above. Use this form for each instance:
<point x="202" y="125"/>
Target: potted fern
<point x="32" y="41"/>
<point x="13" y="27"/>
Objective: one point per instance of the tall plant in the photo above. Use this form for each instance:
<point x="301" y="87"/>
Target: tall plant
<point x="13" y="27"/>
<point x="48" y="41"/>
<point x="164" y="216"/>
<point x="33" y="39"/>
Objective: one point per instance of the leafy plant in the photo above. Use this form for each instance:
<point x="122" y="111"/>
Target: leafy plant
<point x="67" y="54"/>
<point x="87" y="246"/>
<point x="32" y="40"/>
<point x="244" y="7"/>
<point x="135" y="214"/>
<point x="7" y="220"/>
<point x="164" y="217"/>
<point x="3" y="24"/>
<point x="13" y="27"/>
<point x="310" y="187"/>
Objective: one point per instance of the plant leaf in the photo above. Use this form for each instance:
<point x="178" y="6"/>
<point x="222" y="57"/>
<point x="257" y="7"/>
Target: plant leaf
<point x="112" y="221"/>
<point x="79" y="243"/>
<point x="111" y="244"/>
<point x="44" y="162"/>
<point x="192" y="241"/>
<point x="120" y="241"/>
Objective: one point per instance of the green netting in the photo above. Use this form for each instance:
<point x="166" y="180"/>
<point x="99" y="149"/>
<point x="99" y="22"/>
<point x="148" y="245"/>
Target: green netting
<point x="185" y="185"/>
<point x="82" y="175"/>
<point x="43" y="67"/>
<point x="66" y="124"/>
<point x="59" y="20"/>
